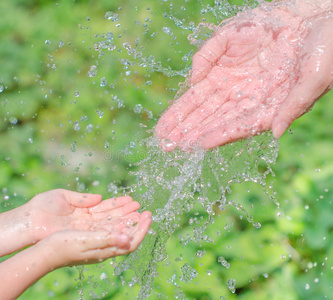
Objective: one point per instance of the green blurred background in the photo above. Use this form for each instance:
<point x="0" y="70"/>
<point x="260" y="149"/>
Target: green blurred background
<point x="82" y="81"/>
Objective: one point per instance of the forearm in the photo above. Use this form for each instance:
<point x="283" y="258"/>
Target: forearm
<point x="15" y="230"/>
<point x="21" y="271"/>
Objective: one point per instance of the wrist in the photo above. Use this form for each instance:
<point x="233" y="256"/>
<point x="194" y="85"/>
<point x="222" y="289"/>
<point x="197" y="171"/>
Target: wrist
<point x="16" y="230"/>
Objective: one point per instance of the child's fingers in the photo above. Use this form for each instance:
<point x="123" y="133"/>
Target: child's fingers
<point x="110" y="204"/>
<point x="122" y="210"/>
<point x="119" y="223"/>
<point x="81" y="200"/>
<point x="92" y="240"/>
<point x="138" y="232"/>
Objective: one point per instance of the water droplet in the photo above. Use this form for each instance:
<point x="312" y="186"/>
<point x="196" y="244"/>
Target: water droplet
<point x="106" y="145"/>
<point x="188" y="273"/>
<point x="291" y="131"/>
<point x="138" y="108"/>
<point x="73" y="146"/>
<point x="1" y="88"/>
<point x="201" y="253"/>
<point x="112" y="188"/>
<point x="103" y="82"/>
<point x="47" y="42"/>
<point x="307" y="286"/>
<point x="231" y="283"/>
<point x="61" y="44"/>
<point x="93" y="71"/>
<point x="90" y="127"/>
<point x="132" y="145"/>
<point x="76" y="126"/>
<point x="13" y="120"/>
<point x="110" y="15"/>
<point x="100" y="113"/>
<point x="76" y="94"/>
<point x="223" y="262"/>
<point x="167" y="30"/>
<point x="257" y="225"/>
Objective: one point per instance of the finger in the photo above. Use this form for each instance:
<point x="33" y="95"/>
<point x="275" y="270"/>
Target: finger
<point x="110" y="204"/>
<point x="315" y="78"/>
<point x="90" y="240"/>
<point x="98" y="246"/>
<point x="140" y="230"/>
<point x="123" y="210"/>
<point x="178" y="111"/>
<point x="302" y="97"/>
<point x="195" y="119"/>
<point x="118" y="223"/>
<point x="136" y="235"/>
<point x="220" y="123"/>
<point x="208" y="55"/>
<point x="82" y="200"/>
<point x="252" y="124"/>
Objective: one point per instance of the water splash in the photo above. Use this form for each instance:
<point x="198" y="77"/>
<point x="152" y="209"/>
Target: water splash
<point x="171" y="184"/>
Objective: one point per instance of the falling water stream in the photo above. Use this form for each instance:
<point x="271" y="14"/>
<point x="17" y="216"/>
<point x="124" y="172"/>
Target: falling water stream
<point x="172" y="184"/>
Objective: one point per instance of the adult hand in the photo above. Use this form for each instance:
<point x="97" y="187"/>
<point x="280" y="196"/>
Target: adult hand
<point x="260" y="71"/>
<point x="59" y="210"/>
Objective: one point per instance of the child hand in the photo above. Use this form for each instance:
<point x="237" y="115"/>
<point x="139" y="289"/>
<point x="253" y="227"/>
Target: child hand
<point x="71" y="247"/>
<point x="59" y="210"/>
<point x="75" y="247"/>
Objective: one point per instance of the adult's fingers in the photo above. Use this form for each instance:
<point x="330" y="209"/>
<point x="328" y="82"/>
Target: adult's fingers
<point x="195" y="118"/>
<point x="186" y="104"/>
<point x="208" y="55"/>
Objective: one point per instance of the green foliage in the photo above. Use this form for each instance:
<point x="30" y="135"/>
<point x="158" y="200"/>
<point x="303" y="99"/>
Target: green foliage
<point x="46" y="51"/>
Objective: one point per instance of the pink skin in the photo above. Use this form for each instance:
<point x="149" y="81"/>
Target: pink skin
<point x="59" y="210"/>
<point x="69" y="229"/>
<point x="258" y="72"/>
<point x="64" y="210"/>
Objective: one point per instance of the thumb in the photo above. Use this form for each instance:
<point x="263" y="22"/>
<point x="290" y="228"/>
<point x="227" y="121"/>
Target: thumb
<point x="316" y="70"/>
<point x="102" y="240"/>
<point x="302" y="97"/>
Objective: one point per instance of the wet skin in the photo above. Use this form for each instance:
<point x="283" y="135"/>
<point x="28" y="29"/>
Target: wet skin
<point x="259" y="71"/>
<point x="65" y="228"/>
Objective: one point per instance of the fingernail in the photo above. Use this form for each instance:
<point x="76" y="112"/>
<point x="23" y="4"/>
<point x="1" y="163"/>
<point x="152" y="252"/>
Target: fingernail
<point x="167" y="145"/>
<point x="279" y="129"/>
